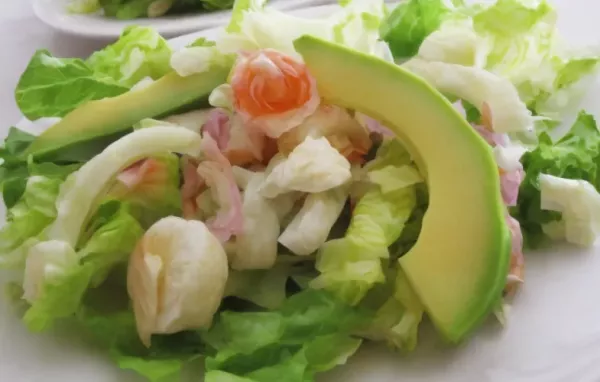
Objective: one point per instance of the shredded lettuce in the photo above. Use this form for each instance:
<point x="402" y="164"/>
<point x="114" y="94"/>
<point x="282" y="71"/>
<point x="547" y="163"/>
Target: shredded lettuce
<point x="265" y="288"/>
<point x="575" y="156"/>
<point x="256" y="246"/>
<point x="515" y="39"/>
<point x="56" y="277"/>
<point x="27" y="219"/>
<point x="313" y="166"/>
<point x="252" y="27"/>
<point x="310" y="228"/>
<point x="478" y="87"/>
<point x="352" y="265"/>
<point x="405" y="28"/>
<point x="29" y="191"/>
<point x="116" y="332"/>
<point x="579" y="203"/>
<point x="140" y="52"/>
<point x="197" y="59"/>
<point x="397" y="312"/>
<point x="310" y="333"/>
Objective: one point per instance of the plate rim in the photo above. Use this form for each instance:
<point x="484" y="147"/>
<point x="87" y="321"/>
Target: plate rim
<point x="171" y="27"/>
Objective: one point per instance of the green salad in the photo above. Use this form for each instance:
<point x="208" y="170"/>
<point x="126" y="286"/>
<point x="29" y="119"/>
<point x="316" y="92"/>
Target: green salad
<point x="267" y="202"/>
<point x="134" y="9"/>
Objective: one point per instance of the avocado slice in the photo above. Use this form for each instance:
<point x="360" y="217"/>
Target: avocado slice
<point x="459" y="264"/>
<point x="111" y="116"/>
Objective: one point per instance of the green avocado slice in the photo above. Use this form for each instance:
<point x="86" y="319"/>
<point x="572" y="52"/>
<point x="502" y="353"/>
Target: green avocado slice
<point x="110" y="116"/>
<point x="459" y="264"/>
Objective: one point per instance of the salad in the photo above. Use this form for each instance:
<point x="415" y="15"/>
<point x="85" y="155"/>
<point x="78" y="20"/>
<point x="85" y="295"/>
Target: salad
<point x="133" y="9"/>
<point x="267" y="202"/>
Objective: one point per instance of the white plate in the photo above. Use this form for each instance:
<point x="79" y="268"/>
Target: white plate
<point x="553" y="334"/>
<point x="54" y="13"/>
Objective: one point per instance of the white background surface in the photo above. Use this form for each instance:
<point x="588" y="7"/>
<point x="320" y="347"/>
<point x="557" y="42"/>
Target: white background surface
<point x="553" y="335"/>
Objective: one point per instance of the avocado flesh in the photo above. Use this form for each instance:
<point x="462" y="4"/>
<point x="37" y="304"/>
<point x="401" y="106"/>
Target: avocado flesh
<point x="110" y="116"/>
<point x="459" y="264"/>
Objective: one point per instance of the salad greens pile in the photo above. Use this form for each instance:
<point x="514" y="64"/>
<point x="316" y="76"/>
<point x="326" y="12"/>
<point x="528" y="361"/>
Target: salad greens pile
<point x="262" y="235"/>
<point x="134" y="9"/>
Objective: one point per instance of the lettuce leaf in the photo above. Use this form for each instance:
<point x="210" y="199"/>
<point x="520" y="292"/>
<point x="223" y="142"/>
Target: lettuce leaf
<point x="52" y="87"/>
<point x="27" y="219"/>
<point x="314" y="166"/>
<point x="83" y="6"/>
<point x="579" y="203"/>
<point x="397" y="311"/>
<point x="237" y="14"/>
<point x="212" y="4"/>
<point x="310" y="333"/>
<point x="514" y="39"/>
<point x="311" y="226"/>
<point x="479" y="87"/>
<point x="116" y="332"/>
<point x="30" y="191"/>
<point x="132" y="9"/>
<point x="256" y="245"/>
<point x="56" y="277"/>
<point x="252" y="27"/>
<point x="352" y="265"/>
<point x="115" y="233"/>
<point x="575" y="156"/>
<point x="410" y="23"/>
<point x="140" y="52"/>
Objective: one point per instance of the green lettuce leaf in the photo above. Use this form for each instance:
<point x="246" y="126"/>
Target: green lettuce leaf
<point x="515" y="39"/>
<point x="310" y="333"/>
<point x="52" y="87"/>
<point x="410" y="23"/>
<point x="140" y="52"/>
<point x="66" y="275"/>
<point x="574" y="156"/>
<point x="511" y="17"/>
<point x="352" y="265"/>
<point x="30" y="192"/>
<point x="55" y="274"/>
<point x="113" y="241"/>
<point x="116" y="332"/>
<point x="265" y="288"/>
<point x="83" y="6"/>
<point x="34" y="211"/>
<point x="356" y="25"/>
<point x="131" y="9"/>
<point x="397" y="312"/>
<point x="213" y="4"/>
<point x="13" y="172"/>
<point x="237" y="13"/>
